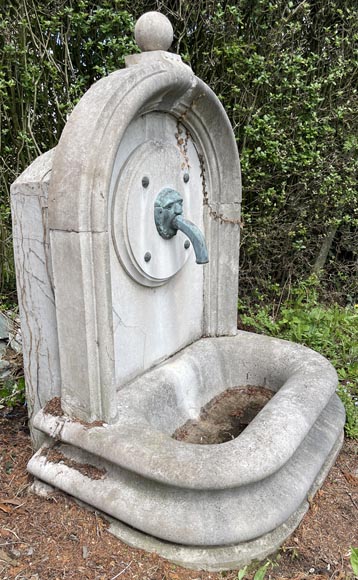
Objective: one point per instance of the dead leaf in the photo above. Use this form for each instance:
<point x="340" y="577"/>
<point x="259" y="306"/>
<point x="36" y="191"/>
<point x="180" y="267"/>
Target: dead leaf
<point x="10" y="501"/>
<point x="340" y="576"/>
<point x="5" y="508"/>
<point x="6" y="533"/>
<point x="4" y="557"/>
<point x="351" y="479"/>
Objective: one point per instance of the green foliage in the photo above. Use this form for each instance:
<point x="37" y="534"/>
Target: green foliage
<point x="354" y="560"/>
<point x="287" y="75"/>
<point x="290" y="89"/>
<point x="241" y="573"/>
<point x="330" y="330"/>
<point x="12" y="393"/>
<point x="261" y="572"/>
<point x="348" y="393"/>
<point x="51" y="53"/>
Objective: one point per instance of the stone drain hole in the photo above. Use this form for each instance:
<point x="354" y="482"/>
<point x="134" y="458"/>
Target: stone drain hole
<point x="225" y="416"/>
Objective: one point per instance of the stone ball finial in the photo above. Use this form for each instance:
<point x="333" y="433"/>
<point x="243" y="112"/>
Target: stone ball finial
<point x="153" y="31"/>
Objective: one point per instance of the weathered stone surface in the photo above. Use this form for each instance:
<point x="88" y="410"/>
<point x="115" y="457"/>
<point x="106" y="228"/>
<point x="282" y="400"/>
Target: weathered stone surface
<point x="4" y="327"/>
<point x="153" y="31"/>
<point x="35" y="290"/>
<point x="214" y="558"/>
<point x="4" y="364"/>
<point x="214" y="494"/>
<point x="224" y="557"/>
<point x="42" y="489"/>
<point x="120" y="337"/>
<point x="120" y="327"/>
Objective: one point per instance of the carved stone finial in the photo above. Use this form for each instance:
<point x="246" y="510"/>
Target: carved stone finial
<point x="153" y="31"/>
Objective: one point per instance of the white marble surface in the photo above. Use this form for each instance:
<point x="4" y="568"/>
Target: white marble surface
<point x="29" y="204"/>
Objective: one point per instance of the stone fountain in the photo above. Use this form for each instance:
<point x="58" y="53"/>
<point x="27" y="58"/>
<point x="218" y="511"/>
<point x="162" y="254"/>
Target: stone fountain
<point x="126" y="242"/>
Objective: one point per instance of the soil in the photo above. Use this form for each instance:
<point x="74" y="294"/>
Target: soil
<point x="55" y="456"/>
<point x="225" y="417"/>
<point x="53" y="407"/>
<point x="54" y="538"/>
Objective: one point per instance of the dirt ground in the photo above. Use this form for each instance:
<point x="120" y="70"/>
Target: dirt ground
<point x="55" y="539"/>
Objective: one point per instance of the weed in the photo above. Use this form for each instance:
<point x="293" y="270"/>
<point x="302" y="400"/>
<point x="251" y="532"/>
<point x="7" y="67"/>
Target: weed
<point x="354" y="560"/>
<point x="292" y="551"/>
<point x="260" y="572"/>
<point x="242" y="572"/>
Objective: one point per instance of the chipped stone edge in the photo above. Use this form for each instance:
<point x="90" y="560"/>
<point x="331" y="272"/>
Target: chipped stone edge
<point x="42" y="489"/>
<point x="224" y="557"/>
<point x="213" y="559"/>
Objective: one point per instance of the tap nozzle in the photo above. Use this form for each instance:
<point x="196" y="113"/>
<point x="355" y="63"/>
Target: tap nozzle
<point x="168" y="216"/>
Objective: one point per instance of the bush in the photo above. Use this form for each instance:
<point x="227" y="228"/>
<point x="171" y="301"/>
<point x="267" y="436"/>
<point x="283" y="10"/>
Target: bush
<point x="51" y="53"/>
<point x="287" y="75"/>
<point x="330" y="330"/>
<point x="12" y="393"/>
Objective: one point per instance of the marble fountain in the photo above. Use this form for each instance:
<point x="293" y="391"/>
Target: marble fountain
<point x="126" y="240"/>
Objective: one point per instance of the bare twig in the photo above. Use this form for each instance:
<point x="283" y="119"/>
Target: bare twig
<point x="352" y="500"/>
<point x="121" y="572"/>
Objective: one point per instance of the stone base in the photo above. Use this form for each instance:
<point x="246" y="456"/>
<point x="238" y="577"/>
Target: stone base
<point x="41" y="488"/>
<point x="212" y="559"/>
<point x="195" y="498"/>
<point x="216" y="558"/>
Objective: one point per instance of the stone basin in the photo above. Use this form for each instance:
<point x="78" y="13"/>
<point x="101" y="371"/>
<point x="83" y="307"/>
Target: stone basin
<point x="206" y="495"/>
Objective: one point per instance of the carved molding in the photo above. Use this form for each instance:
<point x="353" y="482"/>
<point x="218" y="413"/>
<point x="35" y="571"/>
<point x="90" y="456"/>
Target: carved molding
<point x="79" y="217"/>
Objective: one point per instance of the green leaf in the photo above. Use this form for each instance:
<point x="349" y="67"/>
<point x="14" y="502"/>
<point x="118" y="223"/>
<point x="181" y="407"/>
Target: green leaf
<point x="241" y="573"/>
<point x="260" y="574"/>
<point x="354" y="560"/>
